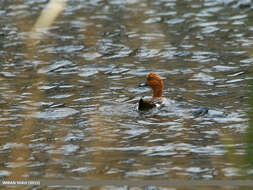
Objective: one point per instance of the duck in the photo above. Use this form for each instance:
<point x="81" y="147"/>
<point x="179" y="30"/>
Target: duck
<point x="154" y="81"/>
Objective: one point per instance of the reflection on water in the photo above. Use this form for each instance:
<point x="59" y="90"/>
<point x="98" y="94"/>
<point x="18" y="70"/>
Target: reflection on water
<point x="68" y="98"/>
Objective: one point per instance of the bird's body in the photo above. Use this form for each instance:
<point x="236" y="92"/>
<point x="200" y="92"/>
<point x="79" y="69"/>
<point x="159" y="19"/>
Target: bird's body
<point x="156" y="83"/>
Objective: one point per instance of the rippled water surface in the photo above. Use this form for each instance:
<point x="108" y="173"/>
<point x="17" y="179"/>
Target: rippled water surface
<point x="68" y="94"/>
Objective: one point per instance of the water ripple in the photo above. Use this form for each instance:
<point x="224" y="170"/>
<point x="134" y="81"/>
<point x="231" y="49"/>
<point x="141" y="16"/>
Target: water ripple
<point x="53" y="114"/>
<point x="79" y="84"/>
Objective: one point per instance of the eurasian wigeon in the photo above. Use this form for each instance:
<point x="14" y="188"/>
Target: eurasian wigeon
<point x="156" y="83"/>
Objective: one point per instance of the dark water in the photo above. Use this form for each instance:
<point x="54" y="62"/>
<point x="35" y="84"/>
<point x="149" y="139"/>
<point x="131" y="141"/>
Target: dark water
<point x="68" y="98"/>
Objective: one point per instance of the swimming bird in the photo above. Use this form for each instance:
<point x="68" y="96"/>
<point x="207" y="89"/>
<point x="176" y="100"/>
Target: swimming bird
<point x="156" y="83"/>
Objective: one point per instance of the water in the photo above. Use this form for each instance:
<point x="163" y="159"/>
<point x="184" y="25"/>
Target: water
<point x="68" y="97"/>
